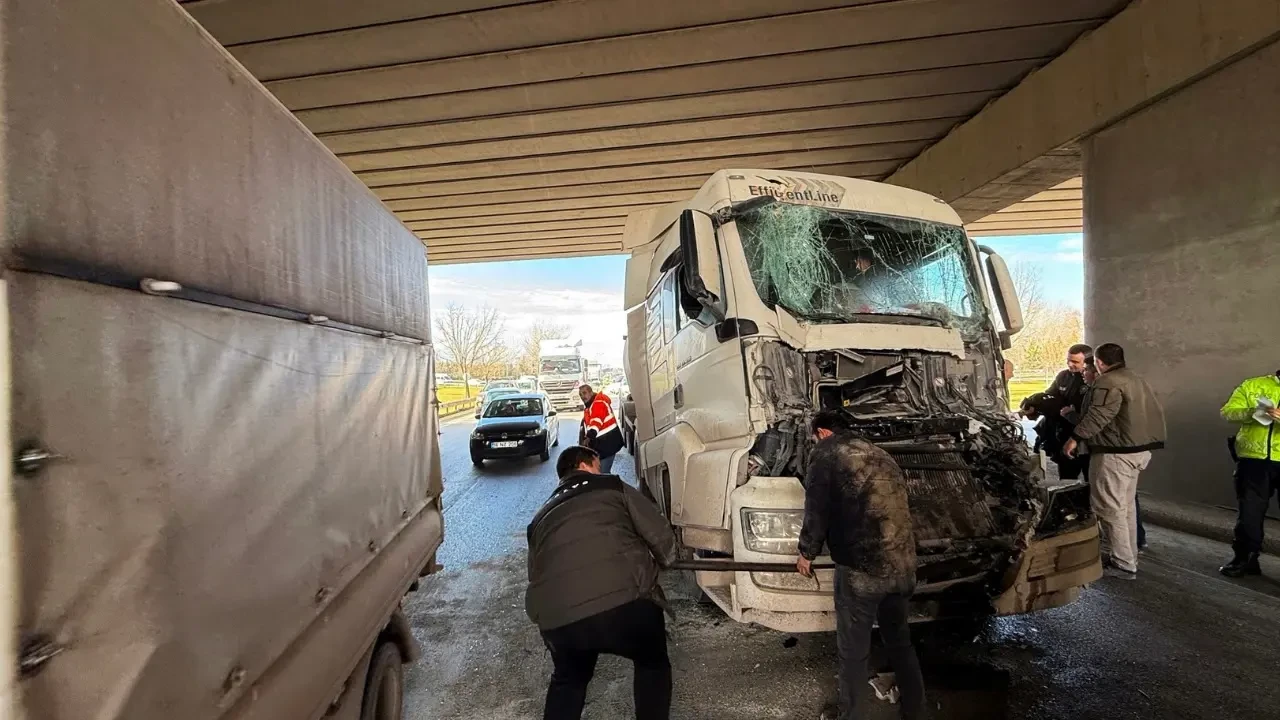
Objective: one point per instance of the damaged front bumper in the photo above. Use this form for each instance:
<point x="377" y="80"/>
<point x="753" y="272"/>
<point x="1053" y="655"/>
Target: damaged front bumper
<point x="1049" y="572"/>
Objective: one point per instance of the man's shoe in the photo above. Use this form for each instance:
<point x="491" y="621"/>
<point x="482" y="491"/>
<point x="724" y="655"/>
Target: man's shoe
<point x="1242" y="565"/>
<point x="1112" y="571"/>
<point x="830" y="712"/>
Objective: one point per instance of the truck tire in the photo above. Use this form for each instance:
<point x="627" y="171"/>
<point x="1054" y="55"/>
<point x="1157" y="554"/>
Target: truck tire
<point x="384" y="687"/>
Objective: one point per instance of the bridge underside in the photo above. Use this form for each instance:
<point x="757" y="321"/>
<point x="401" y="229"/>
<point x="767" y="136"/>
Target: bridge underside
<point x="499" y="129"/>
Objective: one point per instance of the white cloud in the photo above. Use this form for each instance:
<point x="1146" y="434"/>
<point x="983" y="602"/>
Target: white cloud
<point x="595" y="317"/>
<point x="1072" y="243"/>
<point x="1076" y="257"/>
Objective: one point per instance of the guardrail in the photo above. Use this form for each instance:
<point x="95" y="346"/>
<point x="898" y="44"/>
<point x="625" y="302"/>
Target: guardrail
<point x="456" y="406"/>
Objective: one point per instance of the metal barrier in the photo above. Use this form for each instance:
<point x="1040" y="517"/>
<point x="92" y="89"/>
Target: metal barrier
<point x="457" y="406"/>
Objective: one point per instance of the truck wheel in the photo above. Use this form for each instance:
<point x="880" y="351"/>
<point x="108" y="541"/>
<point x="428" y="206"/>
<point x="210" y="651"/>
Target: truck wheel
<point x="384" y="687"/>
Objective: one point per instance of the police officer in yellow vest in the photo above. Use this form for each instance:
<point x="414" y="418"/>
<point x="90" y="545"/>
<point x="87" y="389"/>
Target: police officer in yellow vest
<point x="1255" y="406"/>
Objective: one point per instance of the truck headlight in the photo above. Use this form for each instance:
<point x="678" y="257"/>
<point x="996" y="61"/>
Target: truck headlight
<point x="776" y="532"/>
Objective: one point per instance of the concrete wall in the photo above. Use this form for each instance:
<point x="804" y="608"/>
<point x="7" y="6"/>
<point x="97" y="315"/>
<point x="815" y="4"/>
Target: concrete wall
<point x="1182" y="248"/>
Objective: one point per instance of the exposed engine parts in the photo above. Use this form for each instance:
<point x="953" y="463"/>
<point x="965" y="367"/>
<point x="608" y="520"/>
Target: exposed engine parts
<point x="971" y="477"/>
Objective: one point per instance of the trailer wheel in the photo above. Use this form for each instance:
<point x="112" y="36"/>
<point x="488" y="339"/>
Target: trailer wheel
<point x="384" y="688"/>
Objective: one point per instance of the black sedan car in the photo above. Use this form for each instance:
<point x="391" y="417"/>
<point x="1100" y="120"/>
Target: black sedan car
<point x="515" y="426"/>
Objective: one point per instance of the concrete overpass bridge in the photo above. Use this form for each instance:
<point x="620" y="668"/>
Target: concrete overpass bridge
<point x="500" y="129"/>
<point x="507" y="129"/>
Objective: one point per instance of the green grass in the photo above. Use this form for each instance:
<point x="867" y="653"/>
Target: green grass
<point x="453" y="393"/>
<point x="1019" y="389"/>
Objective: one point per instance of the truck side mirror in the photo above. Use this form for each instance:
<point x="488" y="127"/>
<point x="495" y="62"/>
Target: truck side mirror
<point x="1006" y="295"/>
<point x="700" y="270"/>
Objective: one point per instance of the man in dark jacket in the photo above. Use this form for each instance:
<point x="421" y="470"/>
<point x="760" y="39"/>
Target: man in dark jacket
<point x="855" y="502"/>
<point x="1067" y="391"/>
<point x="595" y="549"/>
<point x="1121" y="424"/>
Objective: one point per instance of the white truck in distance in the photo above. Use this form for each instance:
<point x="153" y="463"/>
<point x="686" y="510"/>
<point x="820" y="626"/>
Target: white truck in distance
<point x="768" y="296"/>
<point x="561" y="371"/>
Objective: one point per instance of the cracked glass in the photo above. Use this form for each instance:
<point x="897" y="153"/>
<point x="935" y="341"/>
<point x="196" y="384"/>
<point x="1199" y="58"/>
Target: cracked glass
<point x="825" y="265"/>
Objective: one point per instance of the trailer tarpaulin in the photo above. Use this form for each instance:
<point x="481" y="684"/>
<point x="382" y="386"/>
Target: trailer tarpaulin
<point x="135" y="144"/>
<point x="220" y="478"/>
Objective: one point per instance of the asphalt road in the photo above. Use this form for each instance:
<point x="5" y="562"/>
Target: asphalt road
<point x="1179" y="642"/>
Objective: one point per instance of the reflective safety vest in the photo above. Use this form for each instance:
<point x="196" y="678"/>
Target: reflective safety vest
<point x="599" y="418"/>
<point x="1254" y="440"/>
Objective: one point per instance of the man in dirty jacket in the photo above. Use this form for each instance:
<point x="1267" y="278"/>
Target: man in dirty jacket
<point x="856" y="504"/>
<point x="595" y="549"/>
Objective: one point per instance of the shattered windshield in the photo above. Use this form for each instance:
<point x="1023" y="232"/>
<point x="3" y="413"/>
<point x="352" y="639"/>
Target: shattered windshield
<point x="825" y="265"/>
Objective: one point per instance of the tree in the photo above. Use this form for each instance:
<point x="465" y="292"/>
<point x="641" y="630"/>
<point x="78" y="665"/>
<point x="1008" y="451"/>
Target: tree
<point x="531" y="345"/>
<point x="1028" y="281"/>
<point x="470" y="339"/>
<point x="1048" y="328"/>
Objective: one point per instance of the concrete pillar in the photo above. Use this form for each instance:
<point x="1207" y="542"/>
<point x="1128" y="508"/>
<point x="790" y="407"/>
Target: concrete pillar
<point x="1182" y="257"/>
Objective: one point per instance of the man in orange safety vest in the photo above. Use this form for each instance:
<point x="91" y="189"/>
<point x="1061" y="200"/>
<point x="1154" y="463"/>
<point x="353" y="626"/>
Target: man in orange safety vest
<point x="600" y="430"/>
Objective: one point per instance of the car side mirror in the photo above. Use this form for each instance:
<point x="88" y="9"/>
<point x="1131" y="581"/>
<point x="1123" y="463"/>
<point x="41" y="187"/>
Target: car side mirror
<point x="700" y="263"/>
<point x="1006" y="294"/>
<point x="552" y="413"/>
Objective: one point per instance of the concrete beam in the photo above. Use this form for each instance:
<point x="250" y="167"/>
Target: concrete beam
<point x="502" y="255"/>
<point x="1148" y="51"/>
<point x="512" y="28"/>
<point x="866" y="161"/>
<point x="738" y="147"/>
<point x="862" y="25"/>
<point x="688" y="184"/>
<point x="1036" y="42"/>
<point x="241" y="21"/>
<point x="717" y="128"/>
<point x="425" y="231"/>
<point x="850" y="93"/>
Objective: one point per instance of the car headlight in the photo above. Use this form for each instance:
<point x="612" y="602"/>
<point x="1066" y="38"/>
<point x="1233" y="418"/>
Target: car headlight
<point x="776" y="532"/>
<point x="477" y="436"/>
<point x="533" y="433"/>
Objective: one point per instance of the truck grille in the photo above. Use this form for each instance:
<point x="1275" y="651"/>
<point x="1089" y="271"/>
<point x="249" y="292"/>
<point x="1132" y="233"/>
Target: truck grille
<point x="946" y="501"/>
<point x="558" y="386"/>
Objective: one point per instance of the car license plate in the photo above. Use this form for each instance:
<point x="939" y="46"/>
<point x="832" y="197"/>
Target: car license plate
<point x="505" y="444"/>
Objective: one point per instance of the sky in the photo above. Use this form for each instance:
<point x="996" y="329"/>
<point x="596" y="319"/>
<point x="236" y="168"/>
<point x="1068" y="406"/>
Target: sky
<point x="586" y="293"/>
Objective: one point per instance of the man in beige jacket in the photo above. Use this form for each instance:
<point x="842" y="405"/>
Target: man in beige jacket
<point x="1122" y="422"/>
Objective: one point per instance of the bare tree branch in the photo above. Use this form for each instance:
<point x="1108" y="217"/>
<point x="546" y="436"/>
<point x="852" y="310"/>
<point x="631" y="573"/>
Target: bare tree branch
<point x="531" y="345"/>
<point x="470" y="339"/>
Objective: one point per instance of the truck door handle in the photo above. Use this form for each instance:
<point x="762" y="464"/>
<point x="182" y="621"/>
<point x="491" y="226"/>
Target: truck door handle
<point x="679" y="396"/>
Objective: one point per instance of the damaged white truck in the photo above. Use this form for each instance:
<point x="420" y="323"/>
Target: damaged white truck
<point x="768" y="296"/>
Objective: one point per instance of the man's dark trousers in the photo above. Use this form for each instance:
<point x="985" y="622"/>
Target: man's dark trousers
<point x="856" y="613"/>
<point x="636" y="631"/>
<point x="1256" y="482"/>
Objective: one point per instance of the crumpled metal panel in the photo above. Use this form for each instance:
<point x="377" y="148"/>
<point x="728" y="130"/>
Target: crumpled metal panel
<point x="224" y="475"/>
<point x="134" y="143"/>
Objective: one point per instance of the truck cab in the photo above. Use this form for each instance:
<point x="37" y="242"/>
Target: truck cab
<point x="768" y="296"/>
<point x="561" y="371"/>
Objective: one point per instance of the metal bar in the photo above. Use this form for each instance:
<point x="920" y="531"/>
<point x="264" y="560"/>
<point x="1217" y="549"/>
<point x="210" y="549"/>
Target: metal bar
<point x="735" y="566"/>
<point x="124" y="281"/>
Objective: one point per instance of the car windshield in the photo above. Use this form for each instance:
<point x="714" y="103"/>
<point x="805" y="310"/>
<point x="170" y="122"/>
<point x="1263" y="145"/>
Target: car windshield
<point x="565" y="366"/>
<point x="513" y="407"/>
<point x="827" y="266"/>
<point x="499" y="384"/>
<point x="495" y="392"/>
